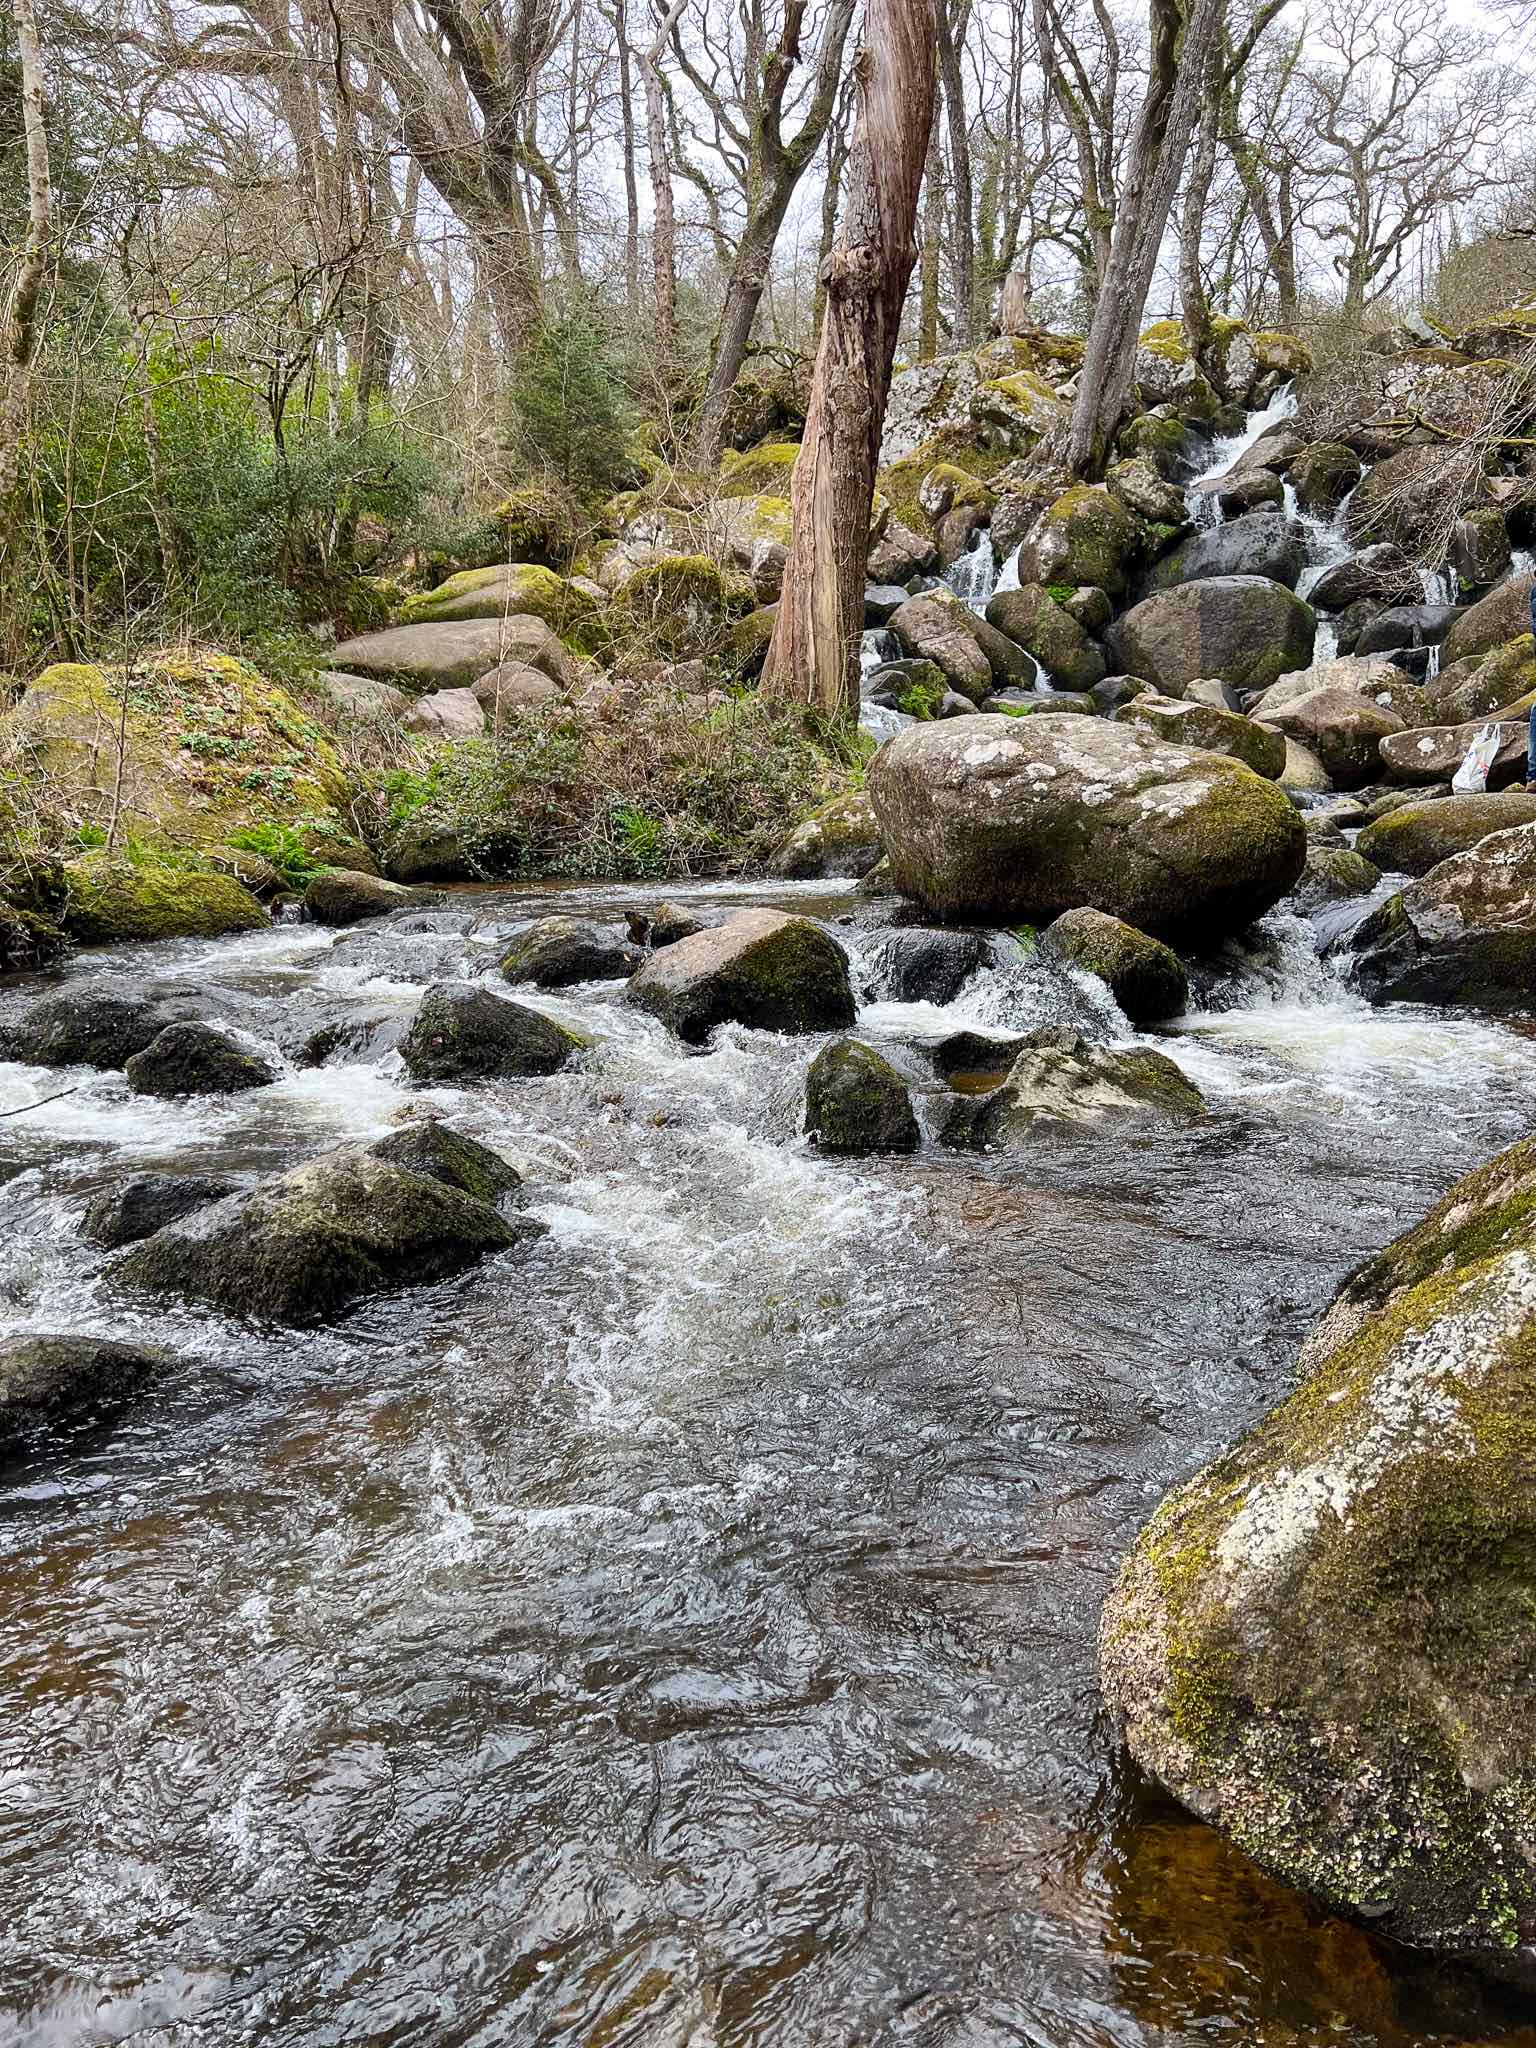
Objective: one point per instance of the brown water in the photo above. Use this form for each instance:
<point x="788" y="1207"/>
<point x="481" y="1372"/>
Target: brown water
<point x="683" y="1637"/>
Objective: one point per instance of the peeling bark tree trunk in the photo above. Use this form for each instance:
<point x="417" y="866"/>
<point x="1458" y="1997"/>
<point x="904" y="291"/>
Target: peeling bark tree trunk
<point x="1181" y="42"/>
<point x="813" y="657"/>
<point x="23" y="333"/>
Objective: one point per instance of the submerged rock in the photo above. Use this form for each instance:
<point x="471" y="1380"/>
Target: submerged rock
<point x="558" y="951"/>
<point x="1463" y="933"/>
<point x="1059" y="1079"/>
<point x="1021" y="819"/>
<point x="464" y="1033"/>
<point x="761" y="967"/>
<point x="73" y="1379"/>
<point x="1323" y="1643"/>
<point x="138" y="1207"/>
<point x="303" y="1245"/>
<point x="856" y="1102"/>
<point x="1145" y="977"/>
<point x="195" y="1059"/>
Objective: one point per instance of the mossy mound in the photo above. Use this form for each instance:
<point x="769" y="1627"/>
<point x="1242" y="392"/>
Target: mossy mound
<point x="538" y="525"/>
<point x="182" y="749"/>
<point x="1145" y="977"/>
<point x="767" y="468"/>
<point x="1323" y="1643"/>
<point x="524" y="588"/>
<point x="1086" y="537"/>
<point x="856" y="1102"/>
<point x="28" y="940"/>
<point x="1159" y="437"/>
<point x="1022" y="407"/>
<point x="678" y="600"/>
<point x="899" y="483"/>
<point x="1416" y="837"/>
<point x="429" y="1146"/>
<point x="112" y="901"/>
<point x="761" y="967"/>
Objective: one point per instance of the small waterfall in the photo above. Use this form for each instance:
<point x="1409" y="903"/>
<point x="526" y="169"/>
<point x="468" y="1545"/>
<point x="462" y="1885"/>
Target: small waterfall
<point x="1204" y="509"/>
<point x="1008" y="575"/>
<point x="1439" y="585"/>
<point x="973" y="577"/>
<point x="876" y="647"/>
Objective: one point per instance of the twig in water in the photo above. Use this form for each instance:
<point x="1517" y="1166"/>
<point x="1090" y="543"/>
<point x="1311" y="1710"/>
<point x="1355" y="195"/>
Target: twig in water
<point x="43" y="1099"/>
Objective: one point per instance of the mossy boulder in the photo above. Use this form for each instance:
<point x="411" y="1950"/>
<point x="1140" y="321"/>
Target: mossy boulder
<point x="137" y="1207"/>
<point x="1262" y="543"/>
<point x="523" y="588"/>
<point x="963" y="450"/>
<point x="938" y="631"/>
<point x="1322" y="1643"/>
<point x="299" y="1248"/>
<point x="1145" y="977"/>
<point x="856" y="1103"/>
<point x="1433" y="753"/>
<point x="841" y="839"/>
<point x="1479" y="686"/>
<point x="538" y="526"/>
<point x="1323" y="475"/>
<point x="1060" y="1081"/>
<point x="67" y="1381"/>
<point x="1033" y="620"/>
<point x="1206" y="725"/>
<point x="208" y="748"/>
<point x="196" y="1059"/>
<point x="767" y="468"/>
<point x="556" y="952"/>
<point x="1416" y="837"/>
<point x="1022" y="819"/>
<point x="1087" y="536"/>
<point x="677" y="601"/>
<point x="465" y="1033"/>
<point x="1494" y="621"/>
<point x="1242" y="630"/>
<point x="1342" y="729"/>
<point x="1159" y="438"/>
<point x="96" y="1023"/>
<point x="341" y="896"/>
<point x="762" y="968"/>
<point x="747" y="644"/>
<point x="111" y="901"/>
<point x="429" y="1146"/>
<point x="1020" y="408"/>
<point x="1332" y="875"/>
<point x="1166" y="373"/>
<point x="1463" y="933"/>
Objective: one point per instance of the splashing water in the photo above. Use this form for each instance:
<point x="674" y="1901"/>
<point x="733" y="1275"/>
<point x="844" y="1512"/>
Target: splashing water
<point x="1226" y="452"/>
<point x="973" y="577"/>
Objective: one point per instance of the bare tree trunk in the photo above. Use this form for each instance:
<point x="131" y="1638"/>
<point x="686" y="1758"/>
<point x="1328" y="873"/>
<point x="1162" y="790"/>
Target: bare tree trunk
<point x="23" y="335"/>
<point x="631" y="190"/>
<point x="1194" y="301"/>
<point x="1178" y="64"/>
<point x="813" y="657"/>
<point x="962" y="222"/>
<point x="664" y="222"/>
<point x="1013" y="310"/>
<point x="933" y="239"/>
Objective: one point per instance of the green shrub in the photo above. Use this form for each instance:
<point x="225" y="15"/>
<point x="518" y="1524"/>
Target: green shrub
<point x="284" y="847"/>
<point x="569" y="408"/>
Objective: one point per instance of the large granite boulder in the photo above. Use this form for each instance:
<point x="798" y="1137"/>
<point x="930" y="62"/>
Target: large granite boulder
<point x="301" y="1246"/>
<point x="339" y="896"/>
<point x="1503" y="615"/>
<point x="196" y="1059"/>
<point x="1416" y="837"/>
<point x="1243" y="630"/>
<point x="137" y="1207"/>
<point x="507" y="590"/>
<point x="1463" y="933"/>
<point x="1383" y="572"/>
<point x="1375" y="677"/>
<point x="1323" y="1643"/>
<point x="939" y="632"/>
<point x="1061" y="1081"/>
<point x="839" y="841"/>
<point x="1086" y="536"/>
<point x="1433" y="753"/>
<point x="1187" y="724"/>
<point x="764" y="968"/>
<point x="1021" y="819"/>
<point x="1261" y="543"/>
<point x="1343" y="730"/>
<point x="96" y="1023"/>
<point x="1033" y="620"/>
<point x="442" y="656"/>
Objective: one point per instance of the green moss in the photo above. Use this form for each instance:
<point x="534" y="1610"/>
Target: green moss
<point x="538" y="525"/>
<point x="1165" y="338"/>
<point x="857" y="1103"/>
<point x="766" y="468"/>
<point x="677" y="596"/>
<point x="899" y="482"/>
<point x="519" y="587"/>
<point x="111" y="900"/>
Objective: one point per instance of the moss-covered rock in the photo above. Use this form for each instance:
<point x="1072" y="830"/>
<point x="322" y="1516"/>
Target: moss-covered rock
<point x="340" y="896"/>
<point x="137" y="1207"/>
<point x="856" y="1102"/>
<point x="1242" y="630"/>
<point x="1145" y="977"/>
<point x="1159" y="438"/>
<point x="1033" y="620"/>
<point x="196" y="1059"/>
<point x="538" y="525"/>
<point x="556" y="952"/>
<point x="839" y="840"/>
<point x="111" y="901"/>
<point x="1086" y="537"/>
<point x="28" y="940"/>
<point x="96" y="1023"/>
<point x="1324" y="475"/>
<point x="302" y="1246"/>
<point x="1206" y="725"/>
<point x="761" y="967"/>
<point x="1060" y="1081"/>
<point x="1332" y="875"/>
<point x="1167" y="374"/>
<point x="1322" y="1643"/>
<point x="767" y="468"/>
<point x="465" y="1033"/>
<point x="677" y="601"/>
<point x="1494" y="621"/>
<point x="1021" y="407"/>
<point x="1416" y="837"/>
<point x="941" y="633"/>
<point x="429" y="1146"/>
<point x="181" y="750"/>
<point x="53" y="1382"/>
<point x="1463" y="933"/>
<point x="524" y="588"/>
<point x="900" y="483"/>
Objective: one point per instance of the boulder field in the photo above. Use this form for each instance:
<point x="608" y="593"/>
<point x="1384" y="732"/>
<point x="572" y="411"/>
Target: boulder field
<point x="1322" y="1643"/>
<point x="1019" y="820"/>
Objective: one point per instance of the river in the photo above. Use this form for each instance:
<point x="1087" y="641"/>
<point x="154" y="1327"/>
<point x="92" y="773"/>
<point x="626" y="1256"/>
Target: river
<point x="682" y="1636"/>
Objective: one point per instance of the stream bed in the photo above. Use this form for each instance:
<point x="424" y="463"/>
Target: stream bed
<point x="681" y="1635"/>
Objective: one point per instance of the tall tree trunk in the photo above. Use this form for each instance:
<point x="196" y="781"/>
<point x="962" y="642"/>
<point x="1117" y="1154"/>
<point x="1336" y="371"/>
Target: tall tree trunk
<point x="23" y="326"/>
<point x="932" y="249"/>
<point x="1178" y="63"/>
<point x="962" y="220"/>
<point x="743" y="296"/>
<point x="664" y="221"/>
<point x="1194" y="301"/>
<point x="631" y="188"/>
<point x="813" y="658"/>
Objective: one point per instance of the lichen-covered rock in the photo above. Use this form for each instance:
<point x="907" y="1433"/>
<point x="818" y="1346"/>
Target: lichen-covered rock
<point x="1145" y="977"/>
<point x="1322" y="1643"/>
<point x="1141" y="488"/>
<point x="939" y="632"/>
<point x="842" y="839"/>
<point x="1166" y="373"/>
<point x="1343" y="730"/>
<point x="1244" y="630"/>
<point x="363" y="697"/>
<point x="300" y="1247"/>
<point x="69" y="1380"/>
<point x="90" y="1024"/>
<point x="1478" y="686"/>
<point x="1463" y="933"/>
<point x="136" y="1208"/>
<point x="462" y="1032"/>
<point x="1433" y="753"/>
<point x="1087" y="536"/>
<point x="427" y="1145"/>
<point x="1371" y="676"/>
<point x="446" y="715"/>
<point x="1332" y="875"/>
<point x="1022" y="407"/>
<point x="422" y="848"/>
<point x="1384" y="572"/>
<point x="1324" y="475"/>
<point x="1033" y="620"/>
<point x="538" y="524"/>
<point x="1188" y="724"/>
<point x="1503" y="615"/>
<point x="342" y="896"/>
<point x="556" y="952"/>
<point x="1022" y="819"/>
<point x="769" y="467"/>
<point x="856" y="1103"/>
<point x="1416" y="837"/>
<point x="1260" y="543"/>
<point x="761" y="967"/>
<point x="512" y="687"/>
<point x="1060" y="1080"/>
<point x="183" y="749"/>
<point x="1479" y="549"/>
<point x="195" y="1059"/>
<point x="112" y="900"/>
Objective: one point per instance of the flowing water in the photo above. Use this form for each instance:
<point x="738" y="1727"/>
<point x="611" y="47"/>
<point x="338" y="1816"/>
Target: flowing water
<point x="681" y="1635"/>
